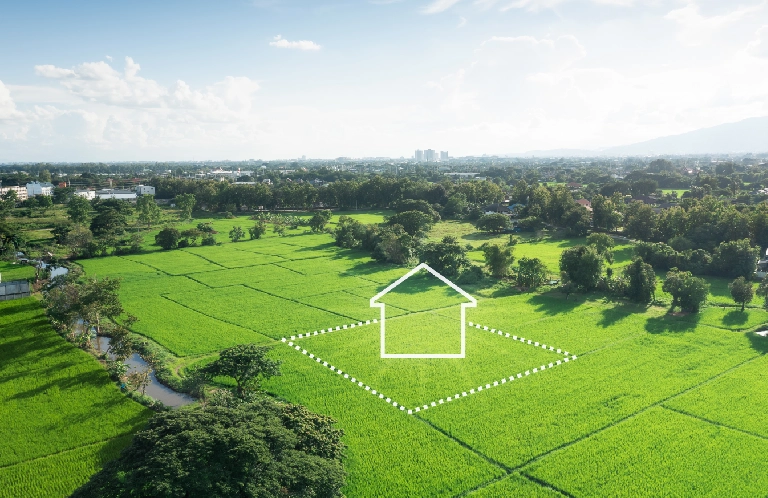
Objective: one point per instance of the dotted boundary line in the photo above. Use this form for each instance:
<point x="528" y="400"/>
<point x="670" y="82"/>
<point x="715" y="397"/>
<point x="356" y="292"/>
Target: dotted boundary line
<point x="567" y="357"/>
<point x="332" y="329"/>
<point x="338" y="371"/>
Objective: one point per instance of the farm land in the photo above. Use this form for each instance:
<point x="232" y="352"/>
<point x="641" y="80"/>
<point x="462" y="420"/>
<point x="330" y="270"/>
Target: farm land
<point x="655" y="404"/>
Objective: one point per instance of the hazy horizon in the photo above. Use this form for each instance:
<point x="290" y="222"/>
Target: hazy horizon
<point x="274" y="79"/>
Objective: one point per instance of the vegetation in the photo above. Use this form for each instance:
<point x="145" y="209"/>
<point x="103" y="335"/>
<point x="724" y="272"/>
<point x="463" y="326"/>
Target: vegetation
<point x="742" y="291"/>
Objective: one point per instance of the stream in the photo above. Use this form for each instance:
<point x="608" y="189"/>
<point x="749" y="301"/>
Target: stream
<point x="155" y="389"/>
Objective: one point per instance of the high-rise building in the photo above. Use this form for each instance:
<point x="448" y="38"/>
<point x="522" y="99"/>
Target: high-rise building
<point x="419" y="155"/>
<point x="429" y="156"/>
<point x="443" y="155"/>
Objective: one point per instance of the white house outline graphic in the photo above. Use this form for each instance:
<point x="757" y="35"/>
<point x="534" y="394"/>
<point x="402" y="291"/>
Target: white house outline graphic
<point x="423" y="266"/>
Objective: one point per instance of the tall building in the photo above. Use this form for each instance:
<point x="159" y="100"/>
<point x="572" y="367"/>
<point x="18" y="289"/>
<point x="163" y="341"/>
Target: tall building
<point x="429" y="156"/>
<point x="419" y="155"/>
<point x="443" y="155"/>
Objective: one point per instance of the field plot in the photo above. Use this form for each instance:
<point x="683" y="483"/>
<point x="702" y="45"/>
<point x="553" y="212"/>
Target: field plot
<point x="389" y="454"/>
<point x="252" y="275"/>
<point x="515" y="486"/>
<point x="736" y="399"/>
<point x="175" y="263"/>
<point x="513" y="426"/>
<point x="230" y="256"/>
<point x="54" y="399"/>
<point x="679" y="456"/>
<point x="9" y="271"/>
<point x="415" y="382"/>
<point x="346" y="304"/>
<point x="269" y="315"/>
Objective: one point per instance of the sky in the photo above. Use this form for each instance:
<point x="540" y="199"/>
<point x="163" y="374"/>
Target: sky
<point x="281" y="79"/>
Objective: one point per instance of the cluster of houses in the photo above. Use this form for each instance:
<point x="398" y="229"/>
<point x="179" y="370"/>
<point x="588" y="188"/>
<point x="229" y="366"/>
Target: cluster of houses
<point x="42" y="188"/>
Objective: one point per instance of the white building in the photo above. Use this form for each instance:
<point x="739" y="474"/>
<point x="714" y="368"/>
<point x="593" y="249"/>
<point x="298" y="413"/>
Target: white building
<point x="145" y="190"/>
<point x="111" y="193"/>
<point x="87" y="194"/>
<point x="419" y="156"/>
<point x="21" y="192"/>
<point x="430" y="156"/>
<point x="37" y="188"/>
<point x="443" y="155"/>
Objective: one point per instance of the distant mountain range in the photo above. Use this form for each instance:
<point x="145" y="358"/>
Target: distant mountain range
<point x="748" y="135"/>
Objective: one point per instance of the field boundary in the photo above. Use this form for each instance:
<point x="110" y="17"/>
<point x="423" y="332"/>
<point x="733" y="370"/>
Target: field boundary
<point x="567" y="357"/>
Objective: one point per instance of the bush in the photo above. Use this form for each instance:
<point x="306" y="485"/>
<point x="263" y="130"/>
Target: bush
<point x="470" y="276"/>
<point x="208" y="240"/>
<point x="494" y="223"/>
<point x="168" y="238"/>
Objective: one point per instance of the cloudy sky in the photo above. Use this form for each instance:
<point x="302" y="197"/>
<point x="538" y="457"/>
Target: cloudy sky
<point x="268" y="79"/>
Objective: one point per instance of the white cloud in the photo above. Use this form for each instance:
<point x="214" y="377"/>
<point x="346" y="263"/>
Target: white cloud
<point x="109" y="58"/>
<point x="462" y="22"/>
<point x="281" y="42"/>
<point x="696" y="29"/>
<point x="759" y="46"/>
<point x="438" y="6"/>
<point x="7" y="105"/>
<point x="50" y="71"/>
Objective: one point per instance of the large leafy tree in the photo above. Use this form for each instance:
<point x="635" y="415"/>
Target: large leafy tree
<point x="148" y="210"/>
<point x="641" y="281"/>
<point x="251" y="450"/>
<point x="108" y="221"/>
<point x="78" y="209"/>
<point x="498" y="259"/>
<point x="414" y="223"/>
<point x="247" y="364"/>
<point x="185" y="203"/>
<point x="735" y="259"/>
<point x="582" y="265"/>
<point x="446" y="257"/>
<point x="687" y="291"/>
<point x="742" y="291"/>
<point x="168" y="238"/>
<point x="531" y="273"/>
<point x="494" y="223"/>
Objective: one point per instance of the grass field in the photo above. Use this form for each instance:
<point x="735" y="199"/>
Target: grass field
<point x="9" y="271"/>
<point x="62" y="415"/>
<point x="651" y="403"/>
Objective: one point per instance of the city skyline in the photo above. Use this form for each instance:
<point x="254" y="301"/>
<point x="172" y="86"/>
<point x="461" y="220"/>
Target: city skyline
<point x="279" y="79"/>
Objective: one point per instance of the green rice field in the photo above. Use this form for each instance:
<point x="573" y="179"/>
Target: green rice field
<point x="62" y="417"/>
<point x="649" y="404"/>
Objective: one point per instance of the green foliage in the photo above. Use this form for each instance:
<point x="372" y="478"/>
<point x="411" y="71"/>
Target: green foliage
<point x="417" y="205"/>
<point x="108" y="222"/>
<point x="247" y="364"/>
<point x="319" y="220"/>
<point x="494" y="223"/>
<point x="498" y="259"/>
<point x="254" y="450"/>
<point x="641" y="281"/>
<point x="148" y="210"/>
<point x="583" y="266"/>
<point x="257" y="230"/>
<point x="236" y="233"/>
<point x="446" y="257"/>
<point x="415" y="223"/>
<point x="735" y="259"/>
<point x="687" y="291"/>
<point x="603" y="243"/>
<point x="185" y="203"/>
<point x="456" y="205"/>
<point x="742" y="291"/>
<point x="531" y="273"/>
<point x="168" y="238"/>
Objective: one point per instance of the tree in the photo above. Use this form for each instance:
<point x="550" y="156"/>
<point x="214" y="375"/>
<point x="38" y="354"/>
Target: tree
<point x="687" y="291"/>
<point x="494" y="223"/>
<point x="44" y="202"/>
<point x="531" y="273"/>
<point x="641" y="221"/>
<point x="78" y="209"/>
<point x="446" y="257"/>
<point x="319" y="220"/>
<point x="236" y="233"/>
<point x="582" y="265"/>
<point x="577" y="221"/>
<point x="742" y="291"/>
<point x="456" y="205"/>
<point x="10" y="239"/>
<point x="149" y="211"/>
<point x="168" y="238"/>
<point x="247" y="364"/>
<point x="498" y="259"/>
<point x="735" y="259"/>
<point x="392" y="244"/>
<point x="250" y="450"/>
<point x="414" y="223"/>
<point x="108" y="221"/>
<point x="185" y="203"/>
<point x="7" y="202"/>
<point x="603" y="244"/>
<point x="257" y="230"/>
<point x="417" y="205"/>
<point x="641" y="281"/>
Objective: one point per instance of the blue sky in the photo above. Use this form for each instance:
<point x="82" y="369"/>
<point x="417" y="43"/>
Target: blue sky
<point x="284" y="78"/>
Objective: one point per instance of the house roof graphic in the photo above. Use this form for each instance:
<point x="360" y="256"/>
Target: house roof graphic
<point x="472" y="302"/>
